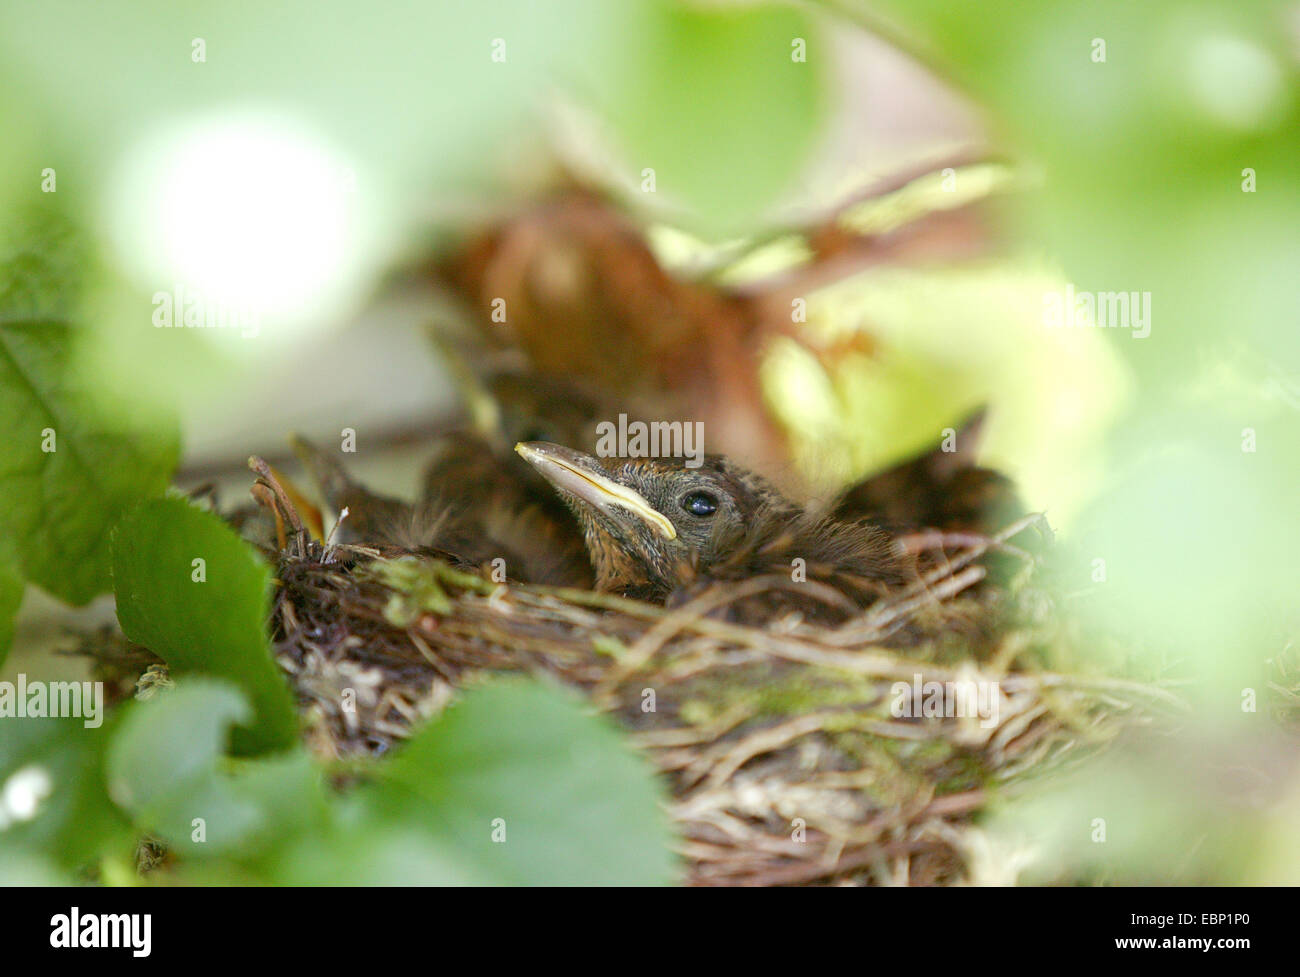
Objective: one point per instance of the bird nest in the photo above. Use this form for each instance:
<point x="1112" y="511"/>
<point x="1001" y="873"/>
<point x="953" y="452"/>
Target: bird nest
<point x="793" y="753"/>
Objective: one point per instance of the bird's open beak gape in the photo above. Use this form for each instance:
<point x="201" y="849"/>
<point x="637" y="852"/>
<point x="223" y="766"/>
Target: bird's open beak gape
<point x="559" y="466"/>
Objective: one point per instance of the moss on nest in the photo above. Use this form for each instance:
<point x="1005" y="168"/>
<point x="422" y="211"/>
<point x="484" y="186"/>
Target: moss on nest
<point x="783" y="746"/>
<point x="786" y="761"/>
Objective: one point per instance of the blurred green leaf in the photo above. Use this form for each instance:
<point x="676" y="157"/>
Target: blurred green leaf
<point x="161" y="766"/>
<point x="61" y="761"/>
<point x="713" y="101"/>
<point x="527" y="788"/>
<point x="1164" y="811"/>
<point x="417" y="99"/>
<point x="11" y="596"/>
<point x="165" y="767"/>
<point x="577" y="805"/>
<point x="29" y="869"/>
<point x="190" y="590"/>
<point x="1194" y="526"/>
<point x="374" y="851"/>
<point x="943" y="342"/>
<point x="1166" y="136"/>
<point x="1201" y="93"/>
<point x="73" y="464"/>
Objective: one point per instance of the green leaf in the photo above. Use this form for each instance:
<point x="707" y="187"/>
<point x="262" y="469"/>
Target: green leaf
<point x="165" y="767"/>
<point x="712" y="100"/>
<point x="162" y="764"/>
<point x="578" y="806"/>
<point x="11" y="596"/>
<point x="27" y="869"/>
<point x="72" y="463"/>
<point x="61" y="762"/>
<point x="374" y="851"/>
<point x="526" y="762"/>
<point x="189" y="589"/>
<point x="1207" y="90"/>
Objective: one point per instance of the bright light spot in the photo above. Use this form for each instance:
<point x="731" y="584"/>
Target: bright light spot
<point x="1235" y="81"/>
<point x="253" y="218"/>
<point x="23" y="793"/>
<point x="1067" y="408"/>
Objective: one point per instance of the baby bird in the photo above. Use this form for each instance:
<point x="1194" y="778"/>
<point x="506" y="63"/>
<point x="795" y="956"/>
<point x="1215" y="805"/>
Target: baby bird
<point x="655" y="529"/>
<point x="497" y="513"/>
<point x="472" y="515"/>
<point x="378" y="520"/>
<point x="937" y="489"/>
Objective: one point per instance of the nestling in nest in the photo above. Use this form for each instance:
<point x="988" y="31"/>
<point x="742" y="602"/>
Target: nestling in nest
<point x="841" y="723"/>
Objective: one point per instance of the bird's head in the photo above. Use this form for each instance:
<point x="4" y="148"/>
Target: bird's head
<point x="652" y="524"/>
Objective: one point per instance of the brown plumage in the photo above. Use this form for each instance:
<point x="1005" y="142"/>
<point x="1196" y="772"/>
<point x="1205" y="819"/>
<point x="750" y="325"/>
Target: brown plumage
<point x="936" y="489"/>
<point x="374" y="519"/>
<point x="476" y="505"/>
<point x="498" y="511"/>
<point x="659" y="530"/>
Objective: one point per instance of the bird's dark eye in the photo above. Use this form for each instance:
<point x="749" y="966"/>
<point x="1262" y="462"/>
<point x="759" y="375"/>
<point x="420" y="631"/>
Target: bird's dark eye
<point x="700" y="504"/>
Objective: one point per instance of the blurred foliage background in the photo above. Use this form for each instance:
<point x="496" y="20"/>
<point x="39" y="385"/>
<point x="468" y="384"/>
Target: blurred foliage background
<point x="286" y="158"/>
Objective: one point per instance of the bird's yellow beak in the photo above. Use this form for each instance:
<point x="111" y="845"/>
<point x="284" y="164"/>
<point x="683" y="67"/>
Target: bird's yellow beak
<point x="562" y="467"/>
